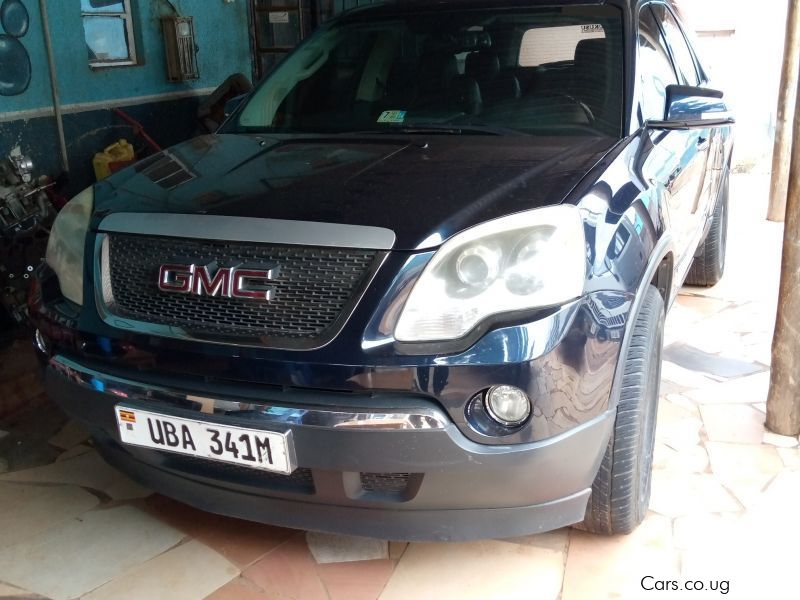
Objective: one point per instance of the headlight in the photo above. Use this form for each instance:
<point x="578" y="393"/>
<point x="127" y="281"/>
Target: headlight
<point x="66" y="244"/>
<point x="523" y="261"/>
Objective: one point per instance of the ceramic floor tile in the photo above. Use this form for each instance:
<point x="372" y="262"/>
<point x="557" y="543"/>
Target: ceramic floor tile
<point x="689" y="460"/>
<point x="485" y="570"/>
<point x="397" y="549"/>
<point x="30" y="509"/>
<point x="288" y="572"/>
<point x="757" y="553"/>
<point x="240" y="589"/>
<point x="87" y="470"/>
<point x="82" y="554"/>
<point x="702" y="306"/>
<point x="612" y="567"/>
<point x="70" y="435"/>
<point x="744" y="469"/>
<point x="552" y="540"/>
<point x="695" y="359"/>
<point x="747" y="390"/>
<point x="694" y="531"/>
<point x="676" y="494"/>
<point x="686" y="378"/>
<point x="677" y="427"/>
<point x="330" y="548"/>
<point x="779" y="441"/>
<point x="241" y="542"/>
<point x="73" y="452"/>
<point x="187" y="572"/>
<point x="10" y="592"/>
<point x="362" y="580"/>
<point x="737" y="423"/>
<point x="790" y="457"/>
<point x="127" y="489"/>
<point x="682" y="402"/>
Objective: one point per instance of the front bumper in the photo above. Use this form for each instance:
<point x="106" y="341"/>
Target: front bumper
<point x="390" y="466"/>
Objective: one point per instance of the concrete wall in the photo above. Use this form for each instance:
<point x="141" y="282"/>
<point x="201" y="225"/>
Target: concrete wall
<point x="742" y="45"/>
<point x="165" y="109"/>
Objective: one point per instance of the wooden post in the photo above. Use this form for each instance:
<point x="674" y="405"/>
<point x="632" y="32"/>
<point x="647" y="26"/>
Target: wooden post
<point x="783" y="125"/>
<point x="783" y="403"/>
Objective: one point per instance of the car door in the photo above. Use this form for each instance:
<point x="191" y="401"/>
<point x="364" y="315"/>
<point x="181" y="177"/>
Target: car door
<point x="677" y="163"/>
<point x="709" y="140"/>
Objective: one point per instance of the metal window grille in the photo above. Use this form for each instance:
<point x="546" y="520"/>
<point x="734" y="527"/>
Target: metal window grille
<point x="180" y="47"/>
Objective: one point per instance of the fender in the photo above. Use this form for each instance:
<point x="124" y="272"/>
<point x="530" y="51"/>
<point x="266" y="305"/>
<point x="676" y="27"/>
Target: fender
<point x="662" y="249"/>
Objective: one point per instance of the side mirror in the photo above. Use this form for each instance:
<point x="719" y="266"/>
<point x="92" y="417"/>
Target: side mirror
<point x="691" y="107"/>
<point x="232" y="104"/>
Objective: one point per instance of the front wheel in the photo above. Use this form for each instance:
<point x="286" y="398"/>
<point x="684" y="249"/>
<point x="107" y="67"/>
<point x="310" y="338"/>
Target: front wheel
<point x="621" y="490"/>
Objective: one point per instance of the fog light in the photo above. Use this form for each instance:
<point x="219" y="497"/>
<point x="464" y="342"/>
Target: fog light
<point x="508" y="405"/>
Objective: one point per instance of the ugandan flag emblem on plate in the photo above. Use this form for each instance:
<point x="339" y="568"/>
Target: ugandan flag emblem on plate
<point x="127" y="416"/>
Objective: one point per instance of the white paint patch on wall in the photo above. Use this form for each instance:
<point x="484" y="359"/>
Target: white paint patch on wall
<point x="741" y="44"/>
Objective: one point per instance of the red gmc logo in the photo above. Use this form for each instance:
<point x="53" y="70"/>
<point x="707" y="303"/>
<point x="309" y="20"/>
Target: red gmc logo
<point x="235" y="282"/>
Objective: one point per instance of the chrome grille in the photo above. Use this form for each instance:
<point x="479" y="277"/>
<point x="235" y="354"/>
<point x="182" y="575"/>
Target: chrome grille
<point x="312" y="293"/>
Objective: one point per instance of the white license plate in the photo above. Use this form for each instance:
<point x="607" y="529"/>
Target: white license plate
<point x="265" y="450"/>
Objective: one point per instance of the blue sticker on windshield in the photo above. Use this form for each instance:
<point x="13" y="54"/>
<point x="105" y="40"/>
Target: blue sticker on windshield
<point x="392" y="116"/>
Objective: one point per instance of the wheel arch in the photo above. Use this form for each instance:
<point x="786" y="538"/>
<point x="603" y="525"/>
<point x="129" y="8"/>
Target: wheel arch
<point x="658" y="271"/>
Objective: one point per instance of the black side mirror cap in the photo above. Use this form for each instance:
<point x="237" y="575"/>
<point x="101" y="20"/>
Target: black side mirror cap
<point x="232" y="104"/>
<point x="690" y="107"/>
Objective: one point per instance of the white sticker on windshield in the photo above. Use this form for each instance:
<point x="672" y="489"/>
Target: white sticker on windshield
<point x="279" y="17"/>
<point x="592" y="29"/>
<point x="392" y="116"/>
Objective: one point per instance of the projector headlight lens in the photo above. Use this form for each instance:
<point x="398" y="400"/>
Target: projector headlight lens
<point x="528" y="260"/>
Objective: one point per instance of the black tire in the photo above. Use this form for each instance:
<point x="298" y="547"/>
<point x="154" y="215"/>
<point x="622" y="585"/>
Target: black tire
<point x="709" y="264"/>
<point x="621" y="490"/>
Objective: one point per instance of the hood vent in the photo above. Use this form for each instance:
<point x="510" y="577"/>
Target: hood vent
<point x="166" y="170"/>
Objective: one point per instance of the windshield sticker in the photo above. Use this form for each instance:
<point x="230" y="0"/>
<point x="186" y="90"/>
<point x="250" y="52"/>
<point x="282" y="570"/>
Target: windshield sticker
<point x="392" y="116"/>
<point x="592" y="29"/>
<point x="279" y="17"/>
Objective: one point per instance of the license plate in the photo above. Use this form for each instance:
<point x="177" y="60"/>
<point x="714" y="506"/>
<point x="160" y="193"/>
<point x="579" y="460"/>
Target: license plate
<point x="265" y="450"/>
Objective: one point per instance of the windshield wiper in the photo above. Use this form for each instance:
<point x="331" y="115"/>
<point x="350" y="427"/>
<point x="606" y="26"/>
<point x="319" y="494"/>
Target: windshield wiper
<point x="437" y="129"/>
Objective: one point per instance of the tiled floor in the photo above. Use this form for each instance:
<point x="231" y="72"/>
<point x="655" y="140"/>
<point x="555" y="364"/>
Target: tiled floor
<point x="724" y="506"/>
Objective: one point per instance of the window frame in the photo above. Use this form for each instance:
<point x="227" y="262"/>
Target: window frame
<point x="668" y="41"/>
<point x="666" y="47"/>
<point x="127" y="17"/>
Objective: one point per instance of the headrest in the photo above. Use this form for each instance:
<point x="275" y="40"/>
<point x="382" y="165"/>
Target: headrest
<point x="474" y="40"/>
<point x="436" y="70"/>
<point x="591" y="54"/>
<point x="482" y="65"/>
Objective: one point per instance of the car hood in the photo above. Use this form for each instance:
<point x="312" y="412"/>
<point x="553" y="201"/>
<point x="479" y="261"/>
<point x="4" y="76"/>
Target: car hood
<point x="424" y="187"/>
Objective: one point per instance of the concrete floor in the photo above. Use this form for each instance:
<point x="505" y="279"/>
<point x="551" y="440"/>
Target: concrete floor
<point x="723" y="512"/>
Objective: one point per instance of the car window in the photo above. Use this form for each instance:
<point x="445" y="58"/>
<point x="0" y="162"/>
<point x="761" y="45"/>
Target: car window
<point x="545" y="45"/>
<point x="555" y="70"/>
<point x="655" y="70"/>
<point x="681" y="54"/>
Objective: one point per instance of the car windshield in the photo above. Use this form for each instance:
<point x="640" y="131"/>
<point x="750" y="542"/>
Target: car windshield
<point x="493" y="71"/>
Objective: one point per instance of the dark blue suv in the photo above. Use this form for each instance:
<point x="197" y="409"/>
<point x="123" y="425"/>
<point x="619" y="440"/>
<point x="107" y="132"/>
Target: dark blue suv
<point x="415" y="286"/>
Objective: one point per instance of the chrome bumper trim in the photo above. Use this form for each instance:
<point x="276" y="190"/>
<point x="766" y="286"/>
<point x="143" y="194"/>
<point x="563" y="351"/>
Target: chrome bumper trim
<point x="271" y="414"/>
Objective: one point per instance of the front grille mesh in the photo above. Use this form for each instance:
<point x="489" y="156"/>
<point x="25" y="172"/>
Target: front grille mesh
<point x="385" y="483"/>
<point x="313" y="287"/>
